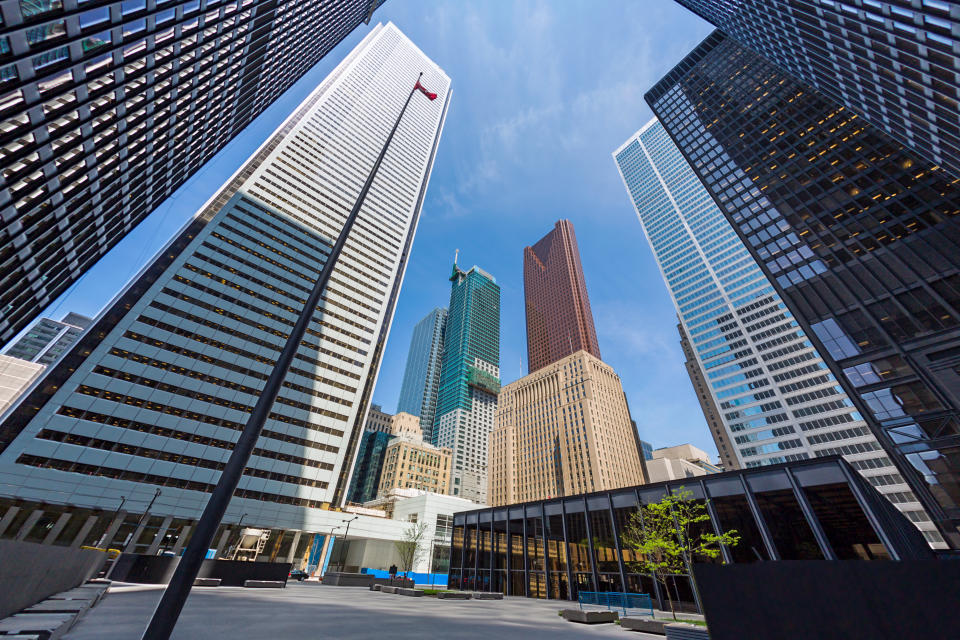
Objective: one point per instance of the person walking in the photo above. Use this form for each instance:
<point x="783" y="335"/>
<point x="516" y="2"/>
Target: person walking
<point x="393" y="573"/>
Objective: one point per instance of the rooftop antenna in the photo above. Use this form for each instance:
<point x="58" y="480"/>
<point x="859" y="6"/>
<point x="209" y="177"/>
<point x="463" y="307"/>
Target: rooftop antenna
<point x="456" y="256"/>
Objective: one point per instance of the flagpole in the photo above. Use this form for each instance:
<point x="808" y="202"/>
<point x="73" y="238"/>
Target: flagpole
<point x="174" y="597"/>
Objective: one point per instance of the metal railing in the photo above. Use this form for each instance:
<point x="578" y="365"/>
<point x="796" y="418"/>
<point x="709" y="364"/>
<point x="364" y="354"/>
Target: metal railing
<point x="616" y="600"/>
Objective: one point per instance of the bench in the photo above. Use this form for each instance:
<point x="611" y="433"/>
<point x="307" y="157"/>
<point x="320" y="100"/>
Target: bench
<point x="207" y="582"/>
<point x="264" y="584"/>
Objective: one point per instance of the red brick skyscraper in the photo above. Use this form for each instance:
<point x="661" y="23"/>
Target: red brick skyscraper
<point x="559" y="320"/>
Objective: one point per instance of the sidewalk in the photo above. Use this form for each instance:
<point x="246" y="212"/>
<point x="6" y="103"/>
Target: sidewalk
<point x="306" y="610"/>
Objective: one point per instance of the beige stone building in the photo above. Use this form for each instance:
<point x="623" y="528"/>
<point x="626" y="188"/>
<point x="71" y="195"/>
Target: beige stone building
<point x="562" y="430"/>
<point x="15" y="376"/>
<point x="378" y="420"/>
<point x="410" y="463"/>
<point x="405" y="424"/>
<point x="681" y="461"/>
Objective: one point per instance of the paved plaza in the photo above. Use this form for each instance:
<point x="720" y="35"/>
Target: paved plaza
<point x="310" y="610"/>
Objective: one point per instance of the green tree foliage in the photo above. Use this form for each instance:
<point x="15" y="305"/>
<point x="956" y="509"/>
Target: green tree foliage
<point x="668" y="536"/>
<point x="410" y="545"/>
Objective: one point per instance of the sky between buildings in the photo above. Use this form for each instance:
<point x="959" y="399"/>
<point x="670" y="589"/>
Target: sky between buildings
<point x="543" y="92"/>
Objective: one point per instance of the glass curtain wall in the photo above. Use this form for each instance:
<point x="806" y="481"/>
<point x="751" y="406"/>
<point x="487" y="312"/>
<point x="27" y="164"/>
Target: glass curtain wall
<point x="819" y="509"/>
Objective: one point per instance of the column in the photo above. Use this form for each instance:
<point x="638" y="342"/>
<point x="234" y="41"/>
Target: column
<point x="8" y="518"/>
<point x="181" y="539"/>
<point x="28" y="524"/>
<point x="293" y="546"/>
<point x="158" y="538"/>
<point x="57" y="527"/>
<point x="84" y="530"/>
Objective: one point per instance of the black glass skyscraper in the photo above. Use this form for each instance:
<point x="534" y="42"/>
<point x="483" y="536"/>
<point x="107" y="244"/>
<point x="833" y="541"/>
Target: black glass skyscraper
<point x="106" y="108"/>
<point x="894" y="62"/>
<point x="859" y="235"/>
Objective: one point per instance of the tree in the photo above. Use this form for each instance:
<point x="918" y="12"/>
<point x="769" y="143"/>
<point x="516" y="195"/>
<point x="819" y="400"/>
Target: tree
<point x="409" y="546"/>
<point x="669" y="535"/>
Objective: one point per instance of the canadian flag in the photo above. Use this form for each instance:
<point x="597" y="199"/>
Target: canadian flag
<point x="424" y="91"/>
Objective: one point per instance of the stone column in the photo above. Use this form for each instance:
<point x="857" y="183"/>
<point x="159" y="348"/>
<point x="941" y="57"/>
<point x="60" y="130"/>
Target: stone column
<point x="8" y="518"/>
<point x="157" y="539"/>
<point x="293" y="546"/>
<point x="28" y="524"/>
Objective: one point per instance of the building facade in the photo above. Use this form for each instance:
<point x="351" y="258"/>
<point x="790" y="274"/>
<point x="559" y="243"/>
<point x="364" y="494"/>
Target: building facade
<point x="711" y="413"/>
<point x="368" y="466"/>
<point x="678" y="462"/>
<point x="152" y="396"/>
<point x="893" y="62"/>
<point x="559" y="319"/>
<point x="562" y="430"/>
<point x="410" y="463"/>
<point x="16" y="376"/>
<point x="469" y="379"/>
<point x="780" y="401"/>
<point x="809" y="510"/>
<point x="421" y="377"/>
<point x="408" y="425"/>
<point x="48" y="339"/>
<point x="858" y="235"/>
<point x="378" y="420"/>
<point x="109" y="107"/>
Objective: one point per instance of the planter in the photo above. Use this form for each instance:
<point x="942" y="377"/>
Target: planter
<point x="686" y="632"/>
<point x="590" y="617"/>
<point x="644" y="624"/>
<point x="483" y="595"/>
<point x="416" y="593"/>
<point x="453" y="595"/>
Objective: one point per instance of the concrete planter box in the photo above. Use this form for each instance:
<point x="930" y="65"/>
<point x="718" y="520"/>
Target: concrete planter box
<point x="644" y="624"/>
<point x="454" y="595"/>
<point x="416" y="593"/>
<point x="264" y="584"/>
<point x="375" y="587"/>
<point x="41" y="625"/>
<point x="340" y="579"/>
<point x="686" y="632"/>
<point x="483" y="595"/>
<point x="388" y="589"/>
<point x="207" y="582"/>
<point x="590" y="617"/>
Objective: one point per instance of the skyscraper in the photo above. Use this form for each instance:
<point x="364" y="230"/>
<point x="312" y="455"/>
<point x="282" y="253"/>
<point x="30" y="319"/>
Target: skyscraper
<point x="559" y="320"/>
<point x="779" y="400"/>
<point x="368" y="466"/>
<point x="469" y="379"/>
<point x="711" y="413"/>
<point x="563" y="430"/>
<point x="109" y="107"/>
<point x="895" y="64"/>
<point x="156" y="390"/>
<point x="421" y="378"/>
<point x="858" y="235"/>
<point x="46" y="341"/>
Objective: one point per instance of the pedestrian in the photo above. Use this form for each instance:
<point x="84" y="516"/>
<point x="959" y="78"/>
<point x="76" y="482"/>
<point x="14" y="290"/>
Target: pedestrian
<point x="393" y="573"/>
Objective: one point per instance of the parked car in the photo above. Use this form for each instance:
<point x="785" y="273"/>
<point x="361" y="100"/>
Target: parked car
<point x="299" y="575"/>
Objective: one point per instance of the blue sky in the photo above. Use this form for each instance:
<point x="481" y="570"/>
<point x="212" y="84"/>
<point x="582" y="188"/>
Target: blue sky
<point x="543" y="92"/>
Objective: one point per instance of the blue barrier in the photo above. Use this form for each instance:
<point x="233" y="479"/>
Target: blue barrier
<point x="436" y="579"/>
<point x="616" y="600"/>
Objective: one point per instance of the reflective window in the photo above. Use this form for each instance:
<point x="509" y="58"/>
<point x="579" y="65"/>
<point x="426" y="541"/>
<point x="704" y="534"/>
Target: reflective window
<point x="844" y="523"/>
<point x="792" y="535"/>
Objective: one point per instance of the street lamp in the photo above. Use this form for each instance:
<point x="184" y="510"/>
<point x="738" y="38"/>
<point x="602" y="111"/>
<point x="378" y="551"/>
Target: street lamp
<point x="346" y="533"/>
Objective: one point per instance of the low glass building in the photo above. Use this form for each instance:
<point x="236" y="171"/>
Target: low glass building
<point x="808" y="510"/>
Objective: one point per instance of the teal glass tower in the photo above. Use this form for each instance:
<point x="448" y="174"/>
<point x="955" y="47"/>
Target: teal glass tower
<point x="368" y="467"/>
<point x="469" y="379"/>
<point x="421" y="378"/>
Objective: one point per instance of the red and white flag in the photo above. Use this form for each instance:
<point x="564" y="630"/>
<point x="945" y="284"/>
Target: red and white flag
<point x="424" y="91"/>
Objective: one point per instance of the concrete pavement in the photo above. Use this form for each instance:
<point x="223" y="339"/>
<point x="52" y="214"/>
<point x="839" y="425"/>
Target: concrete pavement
<point x="310" y="610"/>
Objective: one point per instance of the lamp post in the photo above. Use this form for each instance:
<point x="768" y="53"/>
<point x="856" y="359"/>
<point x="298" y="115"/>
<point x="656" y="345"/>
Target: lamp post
<point x="343" y="556"/>
<point x="175" y="596"/>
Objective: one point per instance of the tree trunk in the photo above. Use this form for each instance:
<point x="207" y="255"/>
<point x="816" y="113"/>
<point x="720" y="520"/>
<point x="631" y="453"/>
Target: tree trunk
<point x="666" y="587"/>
